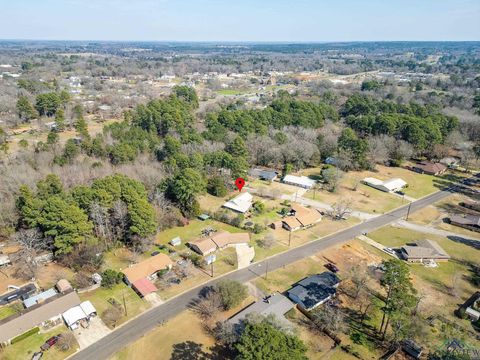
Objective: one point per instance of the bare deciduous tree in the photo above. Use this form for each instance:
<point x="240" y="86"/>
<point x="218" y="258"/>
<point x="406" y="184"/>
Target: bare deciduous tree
<point x="268" y="241"/>
<point x="341" y="209"/>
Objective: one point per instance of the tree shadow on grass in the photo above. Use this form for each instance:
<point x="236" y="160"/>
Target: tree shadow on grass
<point x="469" y="242"/>
<point x="190" y="350"/>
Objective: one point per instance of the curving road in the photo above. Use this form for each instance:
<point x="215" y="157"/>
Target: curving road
<point x="136" y="328"/>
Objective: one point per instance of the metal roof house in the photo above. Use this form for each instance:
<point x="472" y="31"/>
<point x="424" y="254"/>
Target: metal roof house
<point x="314" y="290"/>
<point x="390" y="185"/>
<point x="39" y="298"/>
<point x="76" y="314"/>
<point x="241" y="203"/>
<point x="300" y="181"/>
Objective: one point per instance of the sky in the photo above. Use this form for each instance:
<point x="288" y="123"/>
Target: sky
<point x="241" y="20"/>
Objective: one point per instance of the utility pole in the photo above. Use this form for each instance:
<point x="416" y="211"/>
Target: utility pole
<point x="211" y="268"/>
<point x="289" y="238"/>
<point x="408" y="211"/>
<point x="266" y="270"/>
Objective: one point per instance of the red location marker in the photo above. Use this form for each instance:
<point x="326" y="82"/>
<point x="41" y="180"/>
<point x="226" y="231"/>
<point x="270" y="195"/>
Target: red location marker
<point x="240" y="183"/>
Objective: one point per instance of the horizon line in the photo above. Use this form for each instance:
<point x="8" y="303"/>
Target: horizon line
<point x="237" y="41"/>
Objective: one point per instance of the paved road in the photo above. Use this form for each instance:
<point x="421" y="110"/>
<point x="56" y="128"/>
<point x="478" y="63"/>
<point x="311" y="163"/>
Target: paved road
<point x="147" y="321"/>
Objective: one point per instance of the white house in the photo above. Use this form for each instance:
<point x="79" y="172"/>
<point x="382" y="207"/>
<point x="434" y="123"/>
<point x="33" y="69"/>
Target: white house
<point x="300" y="181"/>
<point x="390" y="185"/>
<point x="76" y="314"/>
<point x="241" y="203"/>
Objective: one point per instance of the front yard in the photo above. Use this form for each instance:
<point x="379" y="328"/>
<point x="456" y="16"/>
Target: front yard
<point x="123" y="295"/>
<point x="25" y="348"/>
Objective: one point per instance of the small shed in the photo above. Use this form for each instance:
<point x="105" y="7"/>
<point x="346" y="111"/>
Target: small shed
<point x="204" y="217"/>
<point x="63" y="285"/>
<point x="4" y="260"/>
<point x="175" y="241"/>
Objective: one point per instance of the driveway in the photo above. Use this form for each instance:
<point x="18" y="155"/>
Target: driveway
<point x="430" y="230"/>
<point x="96" y="331"/>
<point x="154" y="299"/>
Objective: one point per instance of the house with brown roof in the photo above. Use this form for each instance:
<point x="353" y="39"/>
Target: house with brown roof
<point x="140" y="276"/>
<point x="37" y="315"/>
<point x="221" y="240"/>
<point x="423" y="250"/>
<point x="429" y="168"/>
<point x="301" y="217"/>
<point x="470" y="222"/>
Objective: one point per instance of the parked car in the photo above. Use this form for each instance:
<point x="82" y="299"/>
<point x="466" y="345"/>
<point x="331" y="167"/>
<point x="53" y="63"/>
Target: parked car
<point x="332" y="267"/>
<point x="389" y="250"/>
<point x="400" y="192"/>
<point x="50" y="342"/>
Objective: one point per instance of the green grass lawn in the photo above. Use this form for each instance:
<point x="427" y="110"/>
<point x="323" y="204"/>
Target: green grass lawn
<point x="192" y="231"/>
<point x="99" y="298"/>
<point x="25" y="348"/>
<point x="232" y="92"/>
<point x="442" y="276"/>
<point x="6" y="311"/>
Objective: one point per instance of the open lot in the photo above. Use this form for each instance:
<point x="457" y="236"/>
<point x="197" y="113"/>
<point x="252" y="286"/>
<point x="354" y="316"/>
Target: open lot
<point x="367" y="199"/>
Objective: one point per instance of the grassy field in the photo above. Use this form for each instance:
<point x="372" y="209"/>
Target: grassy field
<point x="99" y="298"/>
<point x="25" y="348"/>
<point x="371" y="200"/>
<point x="233" y="92"/>
<point x="449" y="278"/>
<point x="364" y="199"/>
<point x="161" y="342"/>
<point x="6" y="311"/>
<point x="192" y="231"/>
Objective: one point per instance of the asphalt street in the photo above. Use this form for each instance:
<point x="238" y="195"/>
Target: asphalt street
<point x="136" y="328"/>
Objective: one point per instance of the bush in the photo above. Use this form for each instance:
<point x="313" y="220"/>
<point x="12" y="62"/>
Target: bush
<point x="111" y="277"/>
<point x="359" y="338"/>
<point x="231" y="292"/>
<point x="237" y="221"/>
<point x="195" y="259"/>
<point x="259" y="207"/>
<point x="258" y="228"/>
<point x="20" y="337"/>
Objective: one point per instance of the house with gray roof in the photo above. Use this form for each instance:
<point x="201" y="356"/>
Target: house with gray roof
<point x="423" y="250"/>
<point x="37" y="315"/>
<point x="470" y="222"/>
<point x="314" y="290"/>
<point x="276" y="304"/>
<point x="267" y="175"/>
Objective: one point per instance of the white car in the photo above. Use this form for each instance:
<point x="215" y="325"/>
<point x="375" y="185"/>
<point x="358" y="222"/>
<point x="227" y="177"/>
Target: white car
<point x="389" y="250"/>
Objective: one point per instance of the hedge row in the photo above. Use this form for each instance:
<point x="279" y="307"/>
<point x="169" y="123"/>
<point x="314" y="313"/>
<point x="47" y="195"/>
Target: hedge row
<point x="25" y="335"/>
